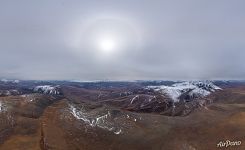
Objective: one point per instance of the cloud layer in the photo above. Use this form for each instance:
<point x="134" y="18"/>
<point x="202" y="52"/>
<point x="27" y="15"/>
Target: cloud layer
<point x="169" y="40"/>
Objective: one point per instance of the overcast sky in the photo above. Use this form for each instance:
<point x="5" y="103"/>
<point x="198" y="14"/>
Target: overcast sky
<point x="148" y="39"/>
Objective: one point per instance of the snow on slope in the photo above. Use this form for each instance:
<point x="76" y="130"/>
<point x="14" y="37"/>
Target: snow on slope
<point x="47" y="89"/>
<point x="96" y="120"/>
<point x="193" y="88"/>
<point x="3" y="107"/>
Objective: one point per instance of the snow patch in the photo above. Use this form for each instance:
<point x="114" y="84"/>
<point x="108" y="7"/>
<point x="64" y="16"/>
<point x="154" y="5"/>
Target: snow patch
<point x="133" y="99"/>
<point x="28" y="97"/>
<point x="118" y="132"/>
<point x="3" y="107"/>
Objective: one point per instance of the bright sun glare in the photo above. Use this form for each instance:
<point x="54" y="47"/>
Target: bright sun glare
<point x="107" y="44"/>
<point x="106" y="37"/>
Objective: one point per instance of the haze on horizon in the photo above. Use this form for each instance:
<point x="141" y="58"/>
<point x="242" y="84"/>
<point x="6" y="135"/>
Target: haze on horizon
<point x="122" y="39"/>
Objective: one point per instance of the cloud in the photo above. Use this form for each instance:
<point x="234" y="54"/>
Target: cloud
<point x="177" y="40"/>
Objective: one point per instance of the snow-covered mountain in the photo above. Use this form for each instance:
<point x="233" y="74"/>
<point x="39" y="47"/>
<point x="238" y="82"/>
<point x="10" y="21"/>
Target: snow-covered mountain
<point x="190" y="89"/>
<point x="9" y="81"/>
<point x="47" y="89"/>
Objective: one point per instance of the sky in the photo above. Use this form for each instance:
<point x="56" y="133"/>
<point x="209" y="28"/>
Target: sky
<point x="122" y="39"/>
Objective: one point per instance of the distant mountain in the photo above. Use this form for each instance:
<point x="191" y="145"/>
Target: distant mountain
<point x="186" y="90"/>
<point x="48" y="89"/>
<point x="9" y="81"/>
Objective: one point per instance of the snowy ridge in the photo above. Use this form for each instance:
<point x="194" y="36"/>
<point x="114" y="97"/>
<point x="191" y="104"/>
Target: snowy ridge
<point x="47" y="89"/>
<point x="9" y="81"/>
<point x="192" y="88"/>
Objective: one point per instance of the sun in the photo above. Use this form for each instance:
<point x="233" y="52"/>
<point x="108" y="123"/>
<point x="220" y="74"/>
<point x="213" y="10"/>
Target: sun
<point x="107" y="44"/>
<point x="106" y="37"/>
